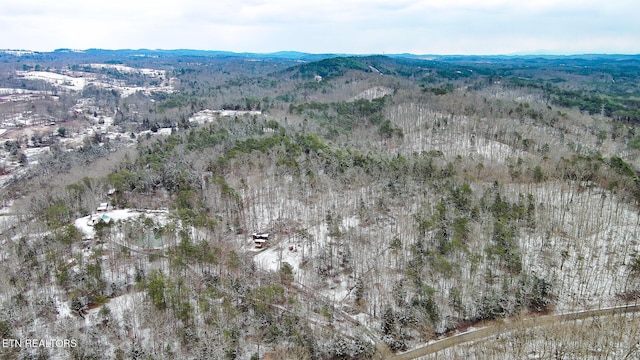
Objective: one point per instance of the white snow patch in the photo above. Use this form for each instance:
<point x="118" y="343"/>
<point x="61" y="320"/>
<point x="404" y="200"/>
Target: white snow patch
<point x="79" y="80"/>
<point x="12" y="91"/>
<point x="165" y="131"/>
<point x="129" y="70"/>
<point x="82" y="223"/>
<point x="68" y="82"/>
<point x="374" y="93"/>
<point x="118" y="307"/>
<point x="338" y="292"/>
<point x="207" y="116"/>
<point x="271" y="259"/>
<point x="587" y="252"/>
<point x="64" y="311"/>
<point x="425" y="130"/>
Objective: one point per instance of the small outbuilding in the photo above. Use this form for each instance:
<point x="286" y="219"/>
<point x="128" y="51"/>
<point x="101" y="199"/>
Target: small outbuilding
<point x="104" y="207"/>
<point x="260" y="240"/>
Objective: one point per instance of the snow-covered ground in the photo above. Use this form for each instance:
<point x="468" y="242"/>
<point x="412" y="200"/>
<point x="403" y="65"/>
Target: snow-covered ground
<point x="84" y="224"/>
<point x="80" y="80"/>
<point x="64" y="81"/>
<point x="272" y="258"/>
<point x="607" y="337"/>
<point x="374" y="93"/>
<point x="161" y="131"/>
<point x="425" y="130"/>
<point x="17" y="52"/>
<point x="33" y="153"/>
<point x="588" y="236"/>
<point x="591" y="236"/>
<point x="129" y="70"/>
<point x="207" y="116"/>
<point x="295" y="250"/>
<point x="119" y="308"/>
<point x="12" y="91"/>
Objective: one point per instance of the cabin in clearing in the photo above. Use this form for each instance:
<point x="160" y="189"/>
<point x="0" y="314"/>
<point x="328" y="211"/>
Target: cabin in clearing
<point x="260" y="240"/>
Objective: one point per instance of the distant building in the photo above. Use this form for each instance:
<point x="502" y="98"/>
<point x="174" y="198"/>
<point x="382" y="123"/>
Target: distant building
<point x="104" y="207"/>
<point x="260" y="240"/>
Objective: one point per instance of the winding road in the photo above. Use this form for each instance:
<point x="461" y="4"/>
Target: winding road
<point x="501" y="327"/>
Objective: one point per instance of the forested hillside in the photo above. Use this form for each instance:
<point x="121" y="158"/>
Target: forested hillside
<point x="405" y="199"/>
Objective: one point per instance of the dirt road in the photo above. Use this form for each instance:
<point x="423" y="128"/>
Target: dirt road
<point x="506" y="325"/>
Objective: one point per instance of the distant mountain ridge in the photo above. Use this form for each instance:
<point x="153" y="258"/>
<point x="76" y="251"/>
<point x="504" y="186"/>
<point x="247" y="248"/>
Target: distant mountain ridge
<point x="295" y="55"/>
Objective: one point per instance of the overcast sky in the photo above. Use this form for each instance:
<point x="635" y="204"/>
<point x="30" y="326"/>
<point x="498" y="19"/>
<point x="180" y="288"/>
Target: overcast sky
<point x="326" y="26"/>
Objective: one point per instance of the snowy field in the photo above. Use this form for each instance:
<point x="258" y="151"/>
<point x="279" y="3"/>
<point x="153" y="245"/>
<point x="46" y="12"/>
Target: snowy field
<point x="64" y="81"/>
<point x="374" y="93"/>
<point x="80" y="80"/>
<point x="129" y="70"/>
<point x="207" y="116"/>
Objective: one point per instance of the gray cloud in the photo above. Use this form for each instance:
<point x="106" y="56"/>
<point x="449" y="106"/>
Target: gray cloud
<point x="352" y="26"/>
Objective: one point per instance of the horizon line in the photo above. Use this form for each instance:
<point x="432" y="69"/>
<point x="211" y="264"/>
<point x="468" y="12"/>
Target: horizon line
<point x="530" y="53"/>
